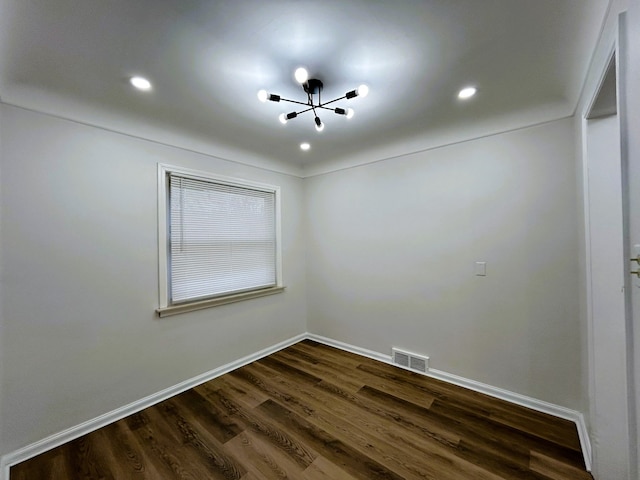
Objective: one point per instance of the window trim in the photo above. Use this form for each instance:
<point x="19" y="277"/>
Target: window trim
<point x="166" y="308"/>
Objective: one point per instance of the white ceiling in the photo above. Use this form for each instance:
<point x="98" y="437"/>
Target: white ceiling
<point x="207" y="59"/>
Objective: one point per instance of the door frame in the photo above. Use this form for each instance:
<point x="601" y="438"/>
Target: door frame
<point x="612" y="54"/>
<point x="633" y="347"/>
<point x="588" y="454"/>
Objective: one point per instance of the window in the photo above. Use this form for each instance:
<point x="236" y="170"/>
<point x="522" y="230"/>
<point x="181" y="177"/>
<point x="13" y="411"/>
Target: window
<point x="219" y="240"/>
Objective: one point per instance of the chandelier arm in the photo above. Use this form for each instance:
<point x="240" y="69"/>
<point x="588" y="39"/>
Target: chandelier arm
<point x="333" y="101"/>
<point x="309" y="102"/>
<point x="326" y="108"/>
<point x="304" y="111"/>
<point x="292" y="101"/>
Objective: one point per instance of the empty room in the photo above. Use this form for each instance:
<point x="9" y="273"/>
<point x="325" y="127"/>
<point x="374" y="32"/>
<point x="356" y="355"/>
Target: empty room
<point x="260" y="239"/>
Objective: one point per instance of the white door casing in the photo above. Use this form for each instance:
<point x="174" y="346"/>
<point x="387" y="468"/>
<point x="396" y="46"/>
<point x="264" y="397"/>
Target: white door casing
<point x="608" y="368"/>
<point x="629" y="107"/>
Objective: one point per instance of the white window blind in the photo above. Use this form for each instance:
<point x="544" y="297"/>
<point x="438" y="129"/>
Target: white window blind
<point x="222" y="238"/>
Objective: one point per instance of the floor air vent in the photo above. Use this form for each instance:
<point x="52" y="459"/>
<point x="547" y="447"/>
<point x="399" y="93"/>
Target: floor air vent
<point x="419" y="363"/>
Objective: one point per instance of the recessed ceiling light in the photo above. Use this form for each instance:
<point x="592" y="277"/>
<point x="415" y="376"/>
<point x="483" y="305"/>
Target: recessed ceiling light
<point x="305" y="146"/>
<point x="467" y="92"/>
<point x="140" y="83"/>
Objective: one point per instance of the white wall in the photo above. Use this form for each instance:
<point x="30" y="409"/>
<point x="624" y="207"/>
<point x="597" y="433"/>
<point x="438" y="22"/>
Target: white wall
<point x="391" y="252"/>
<point x="387" y="249"/>
<point x="79" y="277"/>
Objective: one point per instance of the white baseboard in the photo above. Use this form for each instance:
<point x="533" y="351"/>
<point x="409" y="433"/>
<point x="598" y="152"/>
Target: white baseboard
<point x="516" y="398"/>
<point x="349" y="348"/>
<point x="89" y="426"/>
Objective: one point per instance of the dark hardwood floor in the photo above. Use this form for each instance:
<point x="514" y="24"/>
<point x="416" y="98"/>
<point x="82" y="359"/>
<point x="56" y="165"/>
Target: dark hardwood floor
<point x="314" y="412"/>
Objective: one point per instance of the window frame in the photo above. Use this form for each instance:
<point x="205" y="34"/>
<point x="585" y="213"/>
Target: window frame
<point x="167" y="308"/>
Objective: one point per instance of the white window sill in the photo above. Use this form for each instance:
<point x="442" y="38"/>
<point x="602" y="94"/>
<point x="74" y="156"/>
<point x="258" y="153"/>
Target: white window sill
<point x="214" y="302"/>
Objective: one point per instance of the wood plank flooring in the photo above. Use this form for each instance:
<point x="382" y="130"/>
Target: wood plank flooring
<point x="313" y="412"/>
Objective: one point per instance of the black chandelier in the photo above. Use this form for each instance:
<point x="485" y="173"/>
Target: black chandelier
<point x="313" y="86"/>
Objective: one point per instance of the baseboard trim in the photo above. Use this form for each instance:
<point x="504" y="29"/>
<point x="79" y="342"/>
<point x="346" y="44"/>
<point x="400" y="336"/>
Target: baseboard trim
<point x="30" y="451"/>
<point x="506" y="395"/>
<point x="349" y="348"/>
<point x="89" y="426"/>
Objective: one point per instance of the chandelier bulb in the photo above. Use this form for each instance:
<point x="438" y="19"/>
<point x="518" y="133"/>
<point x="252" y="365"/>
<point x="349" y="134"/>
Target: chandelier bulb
<point x="363" y="90"/>
<point x="263" y="95"/>
<point x="301" y="75"/>
<point x="283" y="118"/>
<point x="319" y="124"/>
<point x="346" y="112"/>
